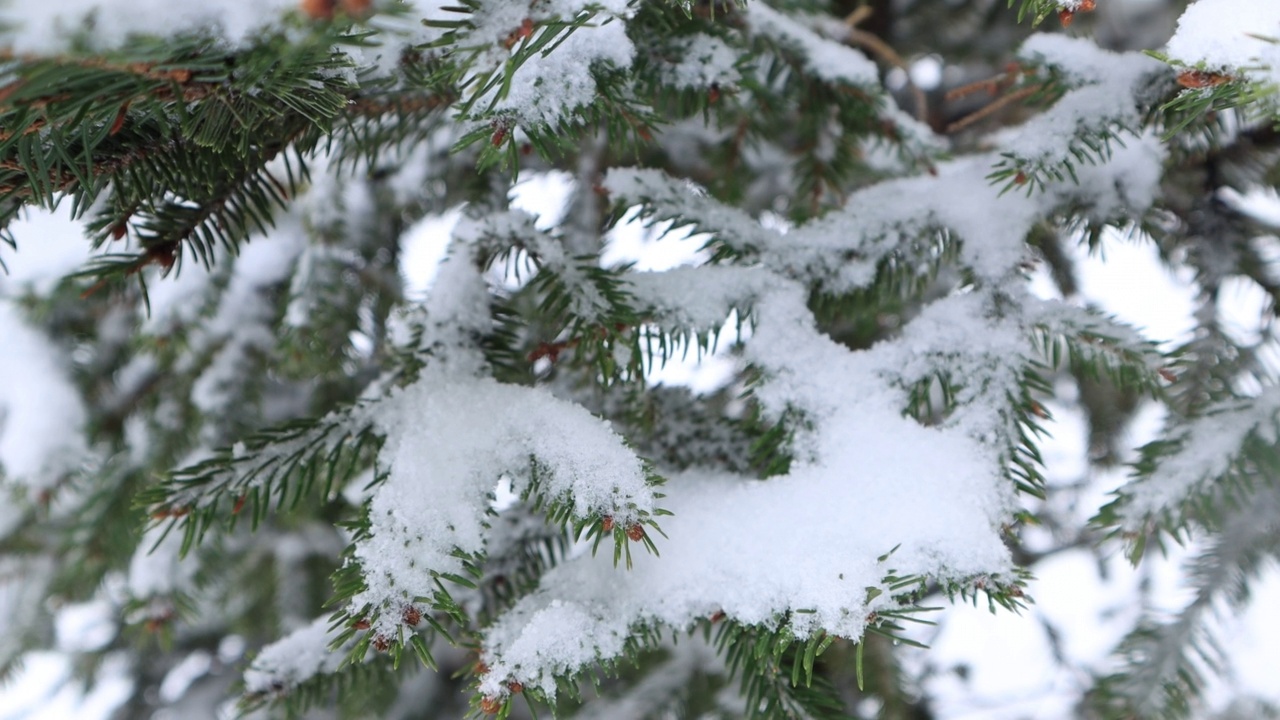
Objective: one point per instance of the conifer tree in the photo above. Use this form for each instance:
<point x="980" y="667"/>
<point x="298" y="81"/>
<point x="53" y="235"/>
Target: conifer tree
<point x="303" y="486"/>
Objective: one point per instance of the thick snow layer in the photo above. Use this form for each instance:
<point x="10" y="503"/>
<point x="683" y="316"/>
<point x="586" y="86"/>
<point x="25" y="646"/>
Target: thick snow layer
<point x="942" y="489"/>
<point x="746" y="548"/>
<point x="1230" y="35"/>
<point x="733" y="544"/>
<point x="451" y="435"/>
<point x="449" y="439"/>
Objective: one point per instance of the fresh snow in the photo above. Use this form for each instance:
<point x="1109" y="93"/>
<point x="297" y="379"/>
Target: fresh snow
<point x="826" y="58"/>
<point x="549" y="85"/>
<point x="458" y="433"/>
<point x="296" y="657"/>
<point x="730" y="543"/>
<point x="1208" y="446"/>
<point x="544" y="89"/>
<point x="1230" y="36"/>
<point x="452" y="435"/>
<point x="874" y="224"/>
<point x="1103" y="87"/>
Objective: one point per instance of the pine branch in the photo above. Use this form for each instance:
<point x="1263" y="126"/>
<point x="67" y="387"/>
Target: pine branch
<point x="1073" y="131"/>
<point x="667" y="685"/>
<point x="1192" y="477"/>
<point x="1165" y="663"/>
<point x="185" y="140"/>
<point x="272" y="469"/>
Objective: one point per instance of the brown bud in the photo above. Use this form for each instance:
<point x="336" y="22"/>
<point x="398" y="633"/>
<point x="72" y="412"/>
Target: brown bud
<point x="118" y="123"/>
<point x="411" y="615"/>
<point x="520" y="33"/>
<point x="1196" y="79"/>
<point x="318" y="9"/>
<point x="635" y="532"/>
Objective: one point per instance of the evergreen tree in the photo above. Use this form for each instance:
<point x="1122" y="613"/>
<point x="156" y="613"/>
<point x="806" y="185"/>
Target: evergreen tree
<point x="299" y="481"/>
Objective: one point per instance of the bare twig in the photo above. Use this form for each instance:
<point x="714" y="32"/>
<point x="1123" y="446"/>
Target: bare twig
<point x="994" y="107"/>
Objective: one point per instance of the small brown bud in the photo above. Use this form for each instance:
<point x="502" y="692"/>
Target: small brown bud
<point x="520" y="33"/>
<point x="411" y="615"/>
<point x="318" y="9"/>
<point x="1197" y="79"/>
<point x="118" y="123"/>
